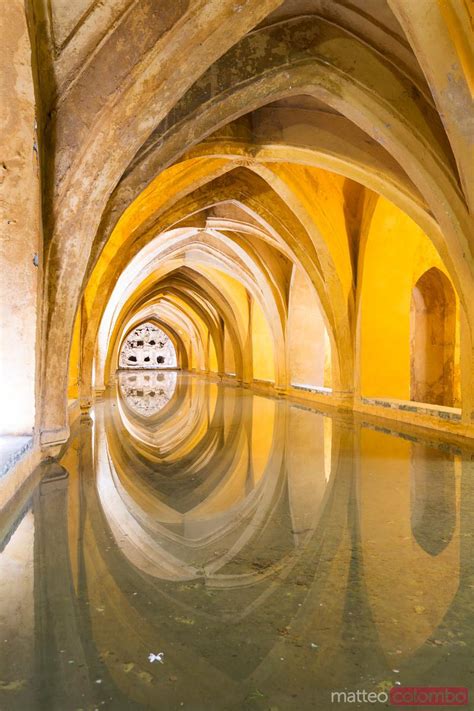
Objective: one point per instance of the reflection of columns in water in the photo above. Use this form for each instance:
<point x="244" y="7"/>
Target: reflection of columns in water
<point x="212" y="618"/>
<point x="219" y="528"/>
<point x="63" y="669"/>
<point x="72" y="672"/>
<point x="411" y="579"/>
<point x="433" y="498"/>
<point x="358" y="631"/>
<point x="315" y="577"/>
<point x="309" y="564"/>
<point x="467" y="520"/>
<point x="192" y="483"/>
<point x="308" y="464"/>
<point x="454" y="636"/>
<point x="146" y="392"/>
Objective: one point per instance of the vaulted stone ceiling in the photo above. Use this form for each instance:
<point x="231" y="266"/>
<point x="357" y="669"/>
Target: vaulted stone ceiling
<point x="196" y="153"/>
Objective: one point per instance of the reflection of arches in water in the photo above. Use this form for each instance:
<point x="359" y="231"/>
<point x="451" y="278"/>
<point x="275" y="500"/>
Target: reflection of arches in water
<point x="165" y="434"/>
<point x="146" y="393"/>
<point x="210" y="496"/>
<point x="169" y="543"/>
<point x="432" y="339"/>
<point x="147" y="346"/>
<point x="256" y="581"/>
<point x="183" y="454"/>
<point x="433" y="498"/>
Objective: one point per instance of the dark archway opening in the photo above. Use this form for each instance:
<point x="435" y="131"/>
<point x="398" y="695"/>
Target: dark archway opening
<point x="432" y="339"/>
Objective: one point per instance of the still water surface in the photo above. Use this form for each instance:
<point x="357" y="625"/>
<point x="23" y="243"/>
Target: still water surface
<point x="265" y="553"/>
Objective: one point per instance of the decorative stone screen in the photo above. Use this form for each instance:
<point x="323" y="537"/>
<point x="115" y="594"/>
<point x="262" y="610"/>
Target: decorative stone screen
<point x="147" y="346"/>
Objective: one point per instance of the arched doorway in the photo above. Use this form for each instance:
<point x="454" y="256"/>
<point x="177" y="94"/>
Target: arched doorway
<point x="432" y="339"/>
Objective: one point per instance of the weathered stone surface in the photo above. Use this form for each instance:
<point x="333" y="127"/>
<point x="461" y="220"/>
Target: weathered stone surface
<point x="20" y="227"/>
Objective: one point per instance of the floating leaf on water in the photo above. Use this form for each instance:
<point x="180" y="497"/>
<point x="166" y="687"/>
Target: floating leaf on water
<point x="12" y="685"/>
<point x="256" y="694"/>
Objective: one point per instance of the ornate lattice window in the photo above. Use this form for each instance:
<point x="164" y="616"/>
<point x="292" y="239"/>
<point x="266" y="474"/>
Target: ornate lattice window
<point x="147" y="346"/>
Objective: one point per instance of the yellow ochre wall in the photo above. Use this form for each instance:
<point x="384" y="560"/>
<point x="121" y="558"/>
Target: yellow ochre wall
<point x="307" y="339"/>
<point x="395" y="252"/>
<point x="74" y="356"/>
<point x="262" y="345"/>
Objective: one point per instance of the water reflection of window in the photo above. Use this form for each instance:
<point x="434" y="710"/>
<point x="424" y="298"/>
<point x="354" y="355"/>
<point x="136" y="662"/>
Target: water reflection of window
<point x="147" y="394"/>
<point x="433" y="498"/>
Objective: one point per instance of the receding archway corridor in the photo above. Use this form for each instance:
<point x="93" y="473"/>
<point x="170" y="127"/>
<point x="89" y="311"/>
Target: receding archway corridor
<point x="236" y="351"/>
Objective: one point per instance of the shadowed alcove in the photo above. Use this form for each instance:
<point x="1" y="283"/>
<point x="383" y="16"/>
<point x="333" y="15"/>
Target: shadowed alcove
<point x="432" y="339"/>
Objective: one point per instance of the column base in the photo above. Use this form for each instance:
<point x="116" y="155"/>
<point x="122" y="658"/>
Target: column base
<point x="54" y="437"/>
<point x="85" y="405"/>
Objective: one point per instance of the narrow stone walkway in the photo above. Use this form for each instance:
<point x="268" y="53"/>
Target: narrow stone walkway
<point x="12" y="447"/>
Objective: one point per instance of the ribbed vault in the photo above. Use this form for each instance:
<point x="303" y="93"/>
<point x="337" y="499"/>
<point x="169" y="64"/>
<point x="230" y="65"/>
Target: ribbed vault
<point x="247" y="175"/>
